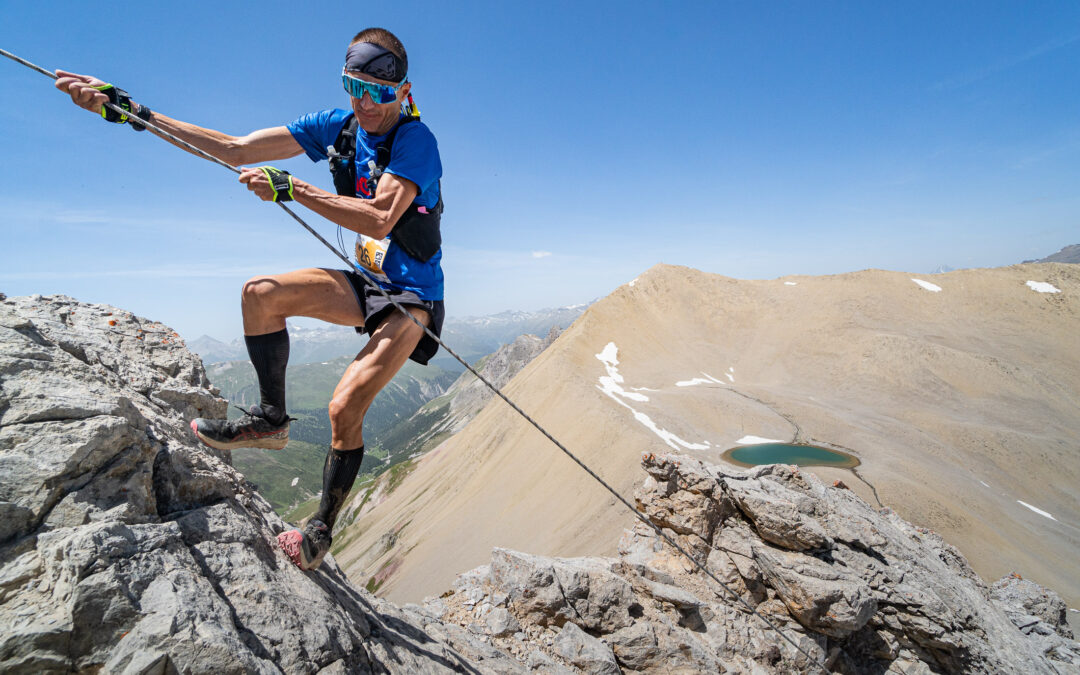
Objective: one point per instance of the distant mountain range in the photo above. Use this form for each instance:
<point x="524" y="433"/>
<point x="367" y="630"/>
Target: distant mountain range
<point x="472" y="337"/>
<point x="1069" y="254"/>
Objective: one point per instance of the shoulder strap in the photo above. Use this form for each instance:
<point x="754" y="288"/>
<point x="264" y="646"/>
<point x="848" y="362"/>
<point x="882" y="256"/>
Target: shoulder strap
<point x="341" y="159"/>
<point x="383" y="150"/>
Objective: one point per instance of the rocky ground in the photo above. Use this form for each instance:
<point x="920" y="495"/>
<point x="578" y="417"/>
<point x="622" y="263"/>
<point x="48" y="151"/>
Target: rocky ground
<point x="125" y="546"/>
<point x="856" y="589"/>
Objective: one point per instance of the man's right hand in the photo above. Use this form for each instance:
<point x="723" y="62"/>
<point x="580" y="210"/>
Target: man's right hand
<point x="82" y="90"/>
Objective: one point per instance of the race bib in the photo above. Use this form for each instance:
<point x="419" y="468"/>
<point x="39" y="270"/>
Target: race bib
<point x="370" y="254"/>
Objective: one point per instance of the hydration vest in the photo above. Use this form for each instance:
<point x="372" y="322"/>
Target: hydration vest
<point x="417" y="231"/>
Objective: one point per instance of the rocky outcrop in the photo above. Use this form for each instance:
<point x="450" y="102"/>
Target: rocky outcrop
<point x="127" y="547"/>
<point x="470" y="395"/>
<point x="856" y="589"/>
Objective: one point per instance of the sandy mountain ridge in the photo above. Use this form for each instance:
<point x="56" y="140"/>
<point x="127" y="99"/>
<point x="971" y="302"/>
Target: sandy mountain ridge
<point x="959" y="393"/>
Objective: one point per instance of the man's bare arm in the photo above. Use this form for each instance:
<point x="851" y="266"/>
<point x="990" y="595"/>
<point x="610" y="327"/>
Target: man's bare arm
<point x="373" y="217"/>
<point x="265" y="145"/>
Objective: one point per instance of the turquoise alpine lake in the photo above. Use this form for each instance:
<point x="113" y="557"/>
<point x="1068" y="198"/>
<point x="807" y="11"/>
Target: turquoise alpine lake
<point x="787" y="453"/>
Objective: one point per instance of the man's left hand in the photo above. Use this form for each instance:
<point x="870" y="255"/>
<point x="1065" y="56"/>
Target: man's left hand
<point x="258" y="182"/>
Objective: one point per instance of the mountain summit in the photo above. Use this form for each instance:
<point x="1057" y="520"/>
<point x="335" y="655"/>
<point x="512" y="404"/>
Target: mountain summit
<point x="957" y="392"/>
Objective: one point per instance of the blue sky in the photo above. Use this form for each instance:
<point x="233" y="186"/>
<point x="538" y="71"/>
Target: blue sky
<point x="581" y="142"/>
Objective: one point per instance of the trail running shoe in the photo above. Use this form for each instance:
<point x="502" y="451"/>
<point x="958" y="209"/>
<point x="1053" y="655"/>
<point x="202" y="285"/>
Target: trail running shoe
<point x="253" y="430"/>
<point x="306" y="549"/>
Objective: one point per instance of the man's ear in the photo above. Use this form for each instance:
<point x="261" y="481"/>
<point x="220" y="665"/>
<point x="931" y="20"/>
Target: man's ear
<point x="404" y="91"/>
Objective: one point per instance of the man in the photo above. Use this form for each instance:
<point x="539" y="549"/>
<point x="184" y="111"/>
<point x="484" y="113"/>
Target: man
<point x="388" y="193"/>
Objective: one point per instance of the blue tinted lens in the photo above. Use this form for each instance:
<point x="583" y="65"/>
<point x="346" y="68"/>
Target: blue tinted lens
<point x="379" y="93"/>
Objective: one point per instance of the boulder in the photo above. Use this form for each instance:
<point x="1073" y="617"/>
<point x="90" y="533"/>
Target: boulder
<point x="585" y="651"/>
<point x="552" y="591"/>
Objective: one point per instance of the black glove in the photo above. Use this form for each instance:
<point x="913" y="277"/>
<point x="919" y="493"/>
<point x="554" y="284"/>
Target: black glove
<point x="280" y="182"/>
<point x="122" y="99"/>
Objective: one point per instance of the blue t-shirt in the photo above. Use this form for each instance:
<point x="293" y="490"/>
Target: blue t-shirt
<point x="415" y="157"/>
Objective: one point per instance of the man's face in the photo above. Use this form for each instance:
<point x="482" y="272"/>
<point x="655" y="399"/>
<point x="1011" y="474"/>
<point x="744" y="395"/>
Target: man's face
<point x="371" y="115"/>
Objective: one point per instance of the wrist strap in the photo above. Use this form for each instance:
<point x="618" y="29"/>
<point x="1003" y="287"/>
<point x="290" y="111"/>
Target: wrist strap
<point x="281" y="182"/>
<point x="117" y="97"/>
<point x="141" y="112"/>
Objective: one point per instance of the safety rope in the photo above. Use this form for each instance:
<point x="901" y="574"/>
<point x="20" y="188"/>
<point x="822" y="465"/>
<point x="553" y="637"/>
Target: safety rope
<point x="363" y="274"/>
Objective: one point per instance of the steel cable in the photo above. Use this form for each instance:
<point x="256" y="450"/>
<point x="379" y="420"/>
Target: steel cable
<point x="363" y="274"/>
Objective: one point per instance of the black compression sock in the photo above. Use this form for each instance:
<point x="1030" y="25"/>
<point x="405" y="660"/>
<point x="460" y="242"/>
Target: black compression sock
<point x="339" y="473"/>
<point x="270" y="355"/>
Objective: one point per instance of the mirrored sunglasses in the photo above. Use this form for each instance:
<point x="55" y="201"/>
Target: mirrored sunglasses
<point x="379" y="93"/>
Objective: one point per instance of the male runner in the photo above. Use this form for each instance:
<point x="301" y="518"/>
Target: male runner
<point x="404" y="193"/>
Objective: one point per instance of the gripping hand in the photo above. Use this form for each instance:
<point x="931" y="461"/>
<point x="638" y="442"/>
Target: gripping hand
<point x="280" y="182"/>
<point x="122" y="99"/>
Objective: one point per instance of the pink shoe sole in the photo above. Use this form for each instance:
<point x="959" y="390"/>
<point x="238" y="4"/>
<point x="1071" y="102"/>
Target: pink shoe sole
<point x="290" y="542"/>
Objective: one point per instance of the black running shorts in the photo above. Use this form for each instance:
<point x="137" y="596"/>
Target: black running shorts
<point x="375" y="308"/>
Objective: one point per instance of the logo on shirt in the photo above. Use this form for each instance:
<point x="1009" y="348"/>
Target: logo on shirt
<point x="362" y="187"/>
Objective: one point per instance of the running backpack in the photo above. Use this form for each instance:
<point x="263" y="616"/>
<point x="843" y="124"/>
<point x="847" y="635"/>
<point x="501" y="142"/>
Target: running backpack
<point x="417" y="231"/>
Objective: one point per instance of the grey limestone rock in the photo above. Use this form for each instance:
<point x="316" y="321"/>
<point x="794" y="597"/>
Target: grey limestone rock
<point x="850" y="587"/>
<point x="585" y="651"/>
<point x="127" y="546"/>
<point x="1040" y="614"/>
<point x="552" y="591"/>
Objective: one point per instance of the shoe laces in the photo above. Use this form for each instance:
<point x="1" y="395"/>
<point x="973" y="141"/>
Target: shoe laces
<point x="317" y="532"/>
<point x="256" y="412"/>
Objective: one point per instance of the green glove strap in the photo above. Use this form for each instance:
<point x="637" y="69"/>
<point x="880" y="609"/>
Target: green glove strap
<point x="117" y="97"/>
<point x="281" y="182"/>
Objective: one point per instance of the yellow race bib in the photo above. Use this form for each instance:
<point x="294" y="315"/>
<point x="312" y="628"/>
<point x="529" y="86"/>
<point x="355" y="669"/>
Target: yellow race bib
<point x="370" y="254"/>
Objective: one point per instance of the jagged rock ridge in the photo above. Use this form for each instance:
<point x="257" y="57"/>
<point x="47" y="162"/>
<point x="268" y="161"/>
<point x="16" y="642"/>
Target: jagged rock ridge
<point x="858" y="589"/>
<point x="128" y="547"/>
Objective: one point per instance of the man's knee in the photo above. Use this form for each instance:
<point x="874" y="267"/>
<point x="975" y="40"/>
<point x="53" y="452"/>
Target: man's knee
<point x="258" y="292"/>
<point x="347" y="410"/>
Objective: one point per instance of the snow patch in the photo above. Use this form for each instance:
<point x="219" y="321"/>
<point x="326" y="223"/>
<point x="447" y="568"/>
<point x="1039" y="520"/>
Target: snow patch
<point x="756" y="440"/>
<point x="1042" y="287"/>
<point x="632" y="282"/>
<point x="697" y="380"/>
<point x="691" y="383"/>
<point x="611" y="384"/>
<point x="294" y="481"/>
<point x="790" y="283"/>
<point x="984" y="483"/>
<point x="730" y="376"/>
<point x="1038" y="511"/>
<point x="928" y="286"/>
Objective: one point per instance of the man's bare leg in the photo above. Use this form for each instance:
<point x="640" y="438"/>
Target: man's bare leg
<point x="376" y="364"/>
<point x="266" y="302"/>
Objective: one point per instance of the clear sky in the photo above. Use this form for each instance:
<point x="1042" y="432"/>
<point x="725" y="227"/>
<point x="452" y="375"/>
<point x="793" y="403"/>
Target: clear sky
<point x="581" y="142"/>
